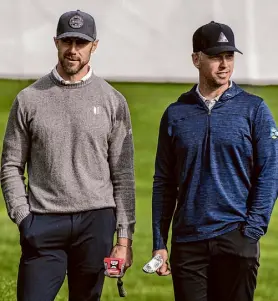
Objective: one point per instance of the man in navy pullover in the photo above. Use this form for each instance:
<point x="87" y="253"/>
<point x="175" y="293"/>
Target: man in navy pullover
<point x="216" y="175"/>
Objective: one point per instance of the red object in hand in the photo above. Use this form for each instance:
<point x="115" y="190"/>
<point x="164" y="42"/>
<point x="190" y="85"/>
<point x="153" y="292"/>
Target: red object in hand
<point x="114" y="267"/>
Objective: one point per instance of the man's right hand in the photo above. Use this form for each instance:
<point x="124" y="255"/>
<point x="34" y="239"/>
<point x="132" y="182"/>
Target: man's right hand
<point x="164" y="270"/>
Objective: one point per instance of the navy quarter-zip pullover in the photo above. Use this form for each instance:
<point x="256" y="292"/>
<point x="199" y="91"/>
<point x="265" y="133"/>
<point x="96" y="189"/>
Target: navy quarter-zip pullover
<point x="216" y="169"/>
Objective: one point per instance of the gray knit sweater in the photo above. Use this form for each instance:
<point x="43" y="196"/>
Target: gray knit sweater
<point x="77" y="143"/>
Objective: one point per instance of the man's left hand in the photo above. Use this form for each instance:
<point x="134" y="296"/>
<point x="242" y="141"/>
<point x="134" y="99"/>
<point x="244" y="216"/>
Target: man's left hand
<point x="123" y="250"/>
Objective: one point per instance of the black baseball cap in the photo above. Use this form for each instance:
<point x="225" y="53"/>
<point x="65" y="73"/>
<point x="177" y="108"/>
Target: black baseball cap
<point x="76" y="24"/>
<point x="214" y="38"/>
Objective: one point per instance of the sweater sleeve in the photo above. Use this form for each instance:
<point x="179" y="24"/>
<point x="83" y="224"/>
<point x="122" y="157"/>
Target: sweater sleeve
<point x="121" y="161"/>
<point x="14" y="156"/>
<point x="164" y="186"/>
<point x="265" y="181"/>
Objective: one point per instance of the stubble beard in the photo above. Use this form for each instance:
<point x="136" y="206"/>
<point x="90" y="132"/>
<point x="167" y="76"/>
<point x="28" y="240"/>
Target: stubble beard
<point x="218" y="82"/>
<point x="72" y="68"/>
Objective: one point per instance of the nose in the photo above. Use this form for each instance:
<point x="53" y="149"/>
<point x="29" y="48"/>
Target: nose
<point x="224" y="62"/>
<point x="72" y="47"/>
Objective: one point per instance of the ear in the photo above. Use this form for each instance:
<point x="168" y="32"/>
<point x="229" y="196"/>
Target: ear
<point x="196" y="59"/>
<point x="94" y="47"/>
<point x="56" y="42"/>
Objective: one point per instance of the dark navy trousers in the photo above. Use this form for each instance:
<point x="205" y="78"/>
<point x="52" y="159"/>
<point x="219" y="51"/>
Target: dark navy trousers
<point x="54" y="245"/>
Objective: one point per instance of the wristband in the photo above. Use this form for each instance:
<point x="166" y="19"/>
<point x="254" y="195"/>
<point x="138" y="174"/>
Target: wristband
<point x="120" y="245"/>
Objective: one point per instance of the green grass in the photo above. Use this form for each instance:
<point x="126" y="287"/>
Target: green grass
<point x="146" y="102"/>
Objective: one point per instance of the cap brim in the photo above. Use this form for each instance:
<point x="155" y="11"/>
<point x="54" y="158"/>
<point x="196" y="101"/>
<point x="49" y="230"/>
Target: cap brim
<point x="75" y="35"/>
<point x="220" y="49"/>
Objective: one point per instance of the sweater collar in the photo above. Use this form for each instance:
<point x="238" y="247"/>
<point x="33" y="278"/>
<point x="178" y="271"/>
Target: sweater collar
<point x="61" y="83"/>
<point x="192" y="95"/>
<point x="65" y="82"/>
<point x="231" y="92"/>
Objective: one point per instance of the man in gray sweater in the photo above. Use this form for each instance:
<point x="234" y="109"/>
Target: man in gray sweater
<point x="73" y="131"/>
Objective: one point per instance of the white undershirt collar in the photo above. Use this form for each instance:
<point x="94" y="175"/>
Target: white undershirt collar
<point x="66" y="82"/>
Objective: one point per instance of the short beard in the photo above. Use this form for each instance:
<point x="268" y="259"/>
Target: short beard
<point x="70" y="69"/>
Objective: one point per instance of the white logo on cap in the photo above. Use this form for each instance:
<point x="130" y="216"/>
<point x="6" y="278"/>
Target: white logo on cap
<point x="222" y="38"/>
<point x="76" y="22"/>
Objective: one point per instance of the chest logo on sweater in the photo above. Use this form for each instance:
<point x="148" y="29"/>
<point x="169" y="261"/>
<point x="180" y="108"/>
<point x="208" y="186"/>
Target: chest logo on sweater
<point x="274" y="133"/>
<point x="96" y="110"/>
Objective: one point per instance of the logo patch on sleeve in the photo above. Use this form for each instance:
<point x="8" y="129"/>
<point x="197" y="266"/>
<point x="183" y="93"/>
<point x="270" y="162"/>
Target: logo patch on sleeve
<point x="274" y="133"/>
